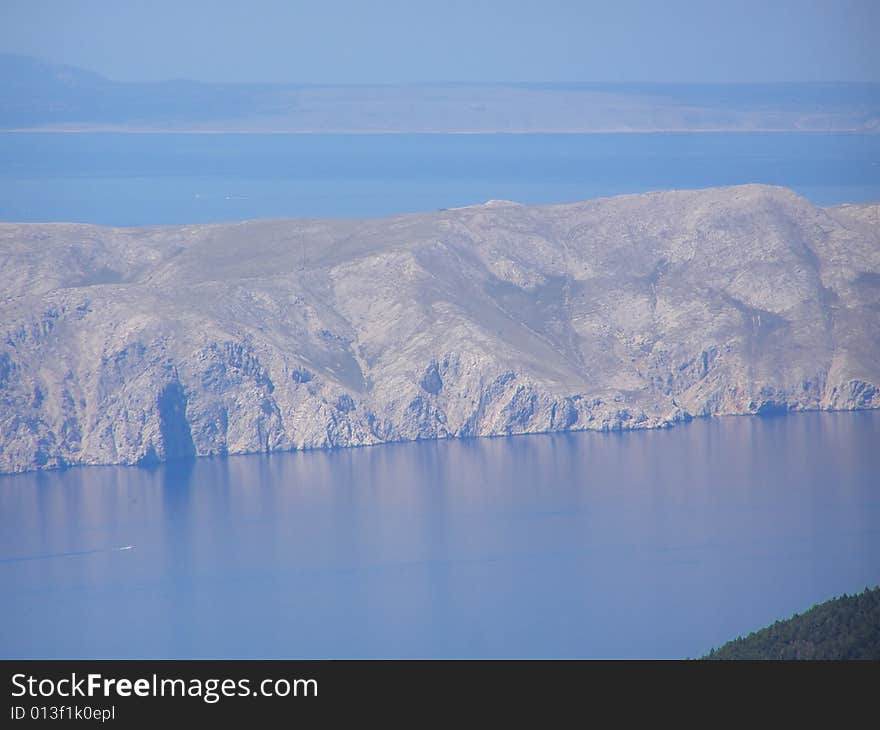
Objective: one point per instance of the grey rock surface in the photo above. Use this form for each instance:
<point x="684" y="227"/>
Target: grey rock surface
<point x="137" y="345"/>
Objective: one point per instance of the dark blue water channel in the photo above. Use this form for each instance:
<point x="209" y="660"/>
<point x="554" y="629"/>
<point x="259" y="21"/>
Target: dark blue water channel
<point x="147" y="179"/>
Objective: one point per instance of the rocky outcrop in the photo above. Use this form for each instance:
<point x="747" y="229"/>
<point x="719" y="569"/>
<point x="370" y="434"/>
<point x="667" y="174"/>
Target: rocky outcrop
<point x="140" y="345"/>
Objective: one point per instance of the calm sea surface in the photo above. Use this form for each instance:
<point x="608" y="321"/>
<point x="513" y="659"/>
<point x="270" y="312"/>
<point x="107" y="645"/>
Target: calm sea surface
<point x="144" y="179"/>
<point x="642" y="544"/>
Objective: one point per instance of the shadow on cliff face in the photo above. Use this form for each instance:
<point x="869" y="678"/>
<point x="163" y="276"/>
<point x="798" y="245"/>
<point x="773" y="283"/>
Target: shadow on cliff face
<point x="772" y="409"/>
<point x="173" y="426"/>
<point x="176" y="434"/>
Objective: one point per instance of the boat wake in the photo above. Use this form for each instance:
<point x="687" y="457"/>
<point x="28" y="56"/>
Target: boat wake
<point x="70" y="554"/>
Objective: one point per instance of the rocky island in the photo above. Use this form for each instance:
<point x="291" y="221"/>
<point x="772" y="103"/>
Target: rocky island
<point x="138" y="345"/>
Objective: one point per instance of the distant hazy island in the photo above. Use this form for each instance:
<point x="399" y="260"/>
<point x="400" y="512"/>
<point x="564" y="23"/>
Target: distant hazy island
<point x="842" y="628"/>
<point x="136" y="345"/>
<point x="35" y="95"/>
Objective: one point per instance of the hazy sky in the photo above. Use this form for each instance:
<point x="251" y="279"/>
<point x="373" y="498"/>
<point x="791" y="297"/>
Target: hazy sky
<point x="450" y="40"/>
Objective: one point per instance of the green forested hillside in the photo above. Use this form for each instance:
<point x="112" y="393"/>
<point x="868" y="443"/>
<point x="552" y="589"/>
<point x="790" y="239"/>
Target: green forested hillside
<point x="842" y="628"/>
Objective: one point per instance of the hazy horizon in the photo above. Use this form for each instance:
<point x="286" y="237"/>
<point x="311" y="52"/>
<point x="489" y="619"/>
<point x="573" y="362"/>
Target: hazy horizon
<point x="40" y="96"/>
<point x="42" y="59"/>
<point x="346" y="42"/>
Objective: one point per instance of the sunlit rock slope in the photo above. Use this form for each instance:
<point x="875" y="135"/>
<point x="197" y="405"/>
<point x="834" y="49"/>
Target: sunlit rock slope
<point x="143" y="344"/>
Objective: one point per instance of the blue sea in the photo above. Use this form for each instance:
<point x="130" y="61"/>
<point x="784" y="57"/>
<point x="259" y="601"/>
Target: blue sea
<point x="643" y="544"/>
<point x="147" y="179"/>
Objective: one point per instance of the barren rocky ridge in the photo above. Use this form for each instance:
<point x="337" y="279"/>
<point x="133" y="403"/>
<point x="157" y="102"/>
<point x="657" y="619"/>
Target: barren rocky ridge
<point x="137" y="345"/>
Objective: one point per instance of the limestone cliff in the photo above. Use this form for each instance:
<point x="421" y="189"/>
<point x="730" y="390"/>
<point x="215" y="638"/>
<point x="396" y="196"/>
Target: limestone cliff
<point x="144" y="344"/>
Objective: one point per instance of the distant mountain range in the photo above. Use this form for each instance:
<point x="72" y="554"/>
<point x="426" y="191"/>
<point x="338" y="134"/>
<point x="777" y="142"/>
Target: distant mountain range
<point x="137" y="345"/>
<point x="35" y="95"/>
